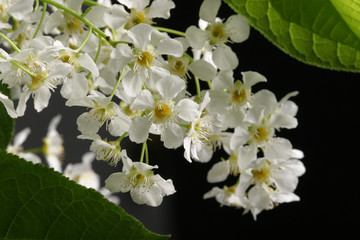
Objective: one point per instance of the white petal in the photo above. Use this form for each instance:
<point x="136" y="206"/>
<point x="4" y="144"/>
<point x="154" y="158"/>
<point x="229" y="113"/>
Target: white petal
<point x="9" y="105"/>
<point x="119" y="125"/>
<point x="86" y="62"/>
<point x="203" y="70"/>
<point x="219" y="172"/>
<point x="21" y="107"/>
<point x="21" y="8"/>
<point x="21" y="136"/>
<point x="116" y="16"/>
<point x="140" y="34"/>
<point x="223" y="80"/>
<point x="132" y="83"/>
<point x="250" y="78"/>
<point x="169" y="87"/>
<point x="246" y="155"/>
<point x="118" y="182"/>
<point x="196" y="37"/>
<point x="42" y="97"/>
<point x="171" y="47"/>
<point x="238" y="28"/>
<point x="161" y="9"/>
<point x="239" y="138"/>
<point x="172" y="136"/>
<point x="143" y="101"/>
<point x="187" y="110"/>
<point x="139" y="129"/>
<point x="224" y="58"/>
<point x="209" y="10"/>
<point x="279" y="148"/>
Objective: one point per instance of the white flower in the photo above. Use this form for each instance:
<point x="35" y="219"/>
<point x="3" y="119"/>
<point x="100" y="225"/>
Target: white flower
<point x="144" y="57"/>
<point x="9" y="105"/>
<point x="83" y="173"/>
<point x="17" y="148"/>
<point x="163" y="112"/>
<point x="15" y="8"/>
<point x="203" y="135"/>
<point x="140" y="13"/>
<point x="263" y="118"/>
<point x="103" y="111"/>
<point x="231" y="98"/>
<point x="226" y="196"/>
<point x="214" y="34"/>
<point x="53" y="148"/>
<point x="139" y="179"/>
<point x="269" y="180"/>
<point x="109" y="151"/>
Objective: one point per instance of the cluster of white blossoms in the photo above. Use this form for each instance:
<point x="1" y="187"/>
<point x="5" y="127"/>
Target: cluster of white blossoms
<point x="131" y="78"/>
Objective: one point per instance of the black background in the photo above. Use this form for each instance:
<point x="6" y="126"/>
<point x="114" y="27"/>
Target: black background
<point x="328" y="134"/>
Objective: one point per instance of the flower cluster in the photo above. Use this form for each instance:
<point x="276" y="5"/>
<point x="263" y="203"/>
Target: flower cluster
<point x="131" y="77"/>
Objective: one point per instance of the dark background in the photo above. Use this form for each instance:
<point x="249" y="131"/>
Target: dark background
<point x="328" y="134"/>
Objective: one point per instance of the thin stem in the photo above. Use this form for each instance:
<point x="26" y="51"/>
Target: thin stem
<point x="23" y="68"/>
<point x="41" y="20"/>
<point x="34" y="150"/>
<point x="37" y="4"/>
<point x="146" y="154"/>
<point x="91" y="3"/>
<point x="83" y="19"/>
<point x="168" y="30"/>
<point x="144" y="147"/>
<point x="197" y="84"/>
<point x="117" y="84"/>
<point x="86" y="39"/>
<point x="98" y="51"/>
<point x="12" y="44"/>
<point x="122" y="137"/>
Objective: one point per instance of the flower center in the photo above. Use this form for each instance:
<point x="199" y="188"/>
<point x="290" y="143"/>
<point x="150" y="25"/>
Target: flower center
<point x="145" y="59"/>
<point x="239" y="95"/>
<point x="260" y="175"/>
<point x="217" y="33"/>
<point x="261" y="134"/>
<point x="162" y="111"/>
<point x="74" y="25"/>
<point x="137" y="17"/>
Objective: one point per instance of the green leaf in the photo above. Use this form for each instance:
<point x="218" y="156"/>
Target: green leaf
<point x="39" y="203"/>
<point x="6" y="122"/>
<point x="322" y="33"/>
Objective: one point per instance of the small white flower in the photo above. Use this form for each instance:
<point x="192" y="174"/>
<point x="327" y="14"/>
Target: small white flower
<point x="139" y="179"/>
<point x="269" y="180"/>
<point x="203" y="135"/>
<point x="53" y="148"/>
<point x="109" y="151"/>
<point x="82" y="173"/>
<point x="17" y="149"/>
<point x="103" y="111"/>
<point x="141" y="13"/>
<point x="225" y="196"/>
<point x="163" y="113"/>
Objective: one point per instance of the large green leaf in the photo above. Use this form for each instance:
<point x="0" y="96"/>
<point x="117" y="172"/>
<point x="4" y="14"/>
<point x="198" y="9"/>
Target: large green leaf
<point x="38" y="203"/>
<point x="6" y="122"/>
<point x="323" y="33"/>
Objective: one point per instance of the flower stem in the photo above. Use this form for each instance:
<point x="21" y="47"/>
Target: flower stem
<point x="41" y="20"/>
<point x="143" y="149"/>
<point x="83" y="19"/>
<point x="90" y="3"/>
<point x="172" y="31"/>
<point x="17" y="64"/>
<point x="117" y="84"/>
<point x="9" y="42"/>
<point x="198" y="88"/>
<point x="86" y="39"/>
<point x="34" y="150"/>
